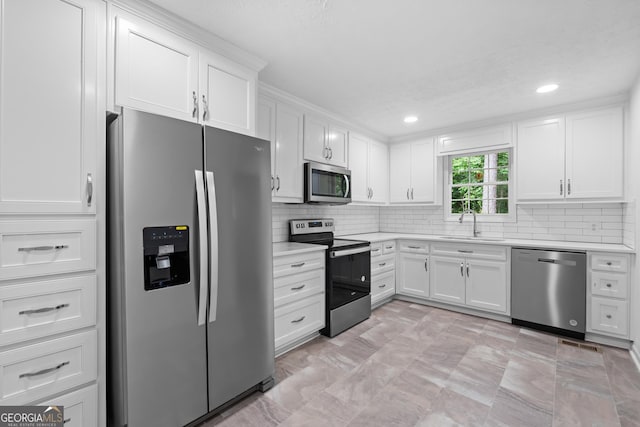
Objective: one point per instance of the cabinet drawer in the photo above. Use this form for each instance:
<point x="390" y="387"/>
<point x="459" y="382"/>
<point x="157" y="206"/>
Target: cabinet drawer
<point x="298" y="319"/>
<point x="292" y="264"/>
<point x="609" y="284"/>
<point x="298" y="286"/>
<point x="414" y="246"/>
<point x="376" y="249"/>
<point x="35" y="248"/>
<point x="610" y="262"/>
<point x="382" y="264"/>
<point x="383" y="284"/>
<point x="388" y="247"/>
<point x="470" y="251"/>
<point x="39" y="309"/>
<point x="610" y="316"/>
<point x="35" y="371"/>
<point x="80" y="407"/>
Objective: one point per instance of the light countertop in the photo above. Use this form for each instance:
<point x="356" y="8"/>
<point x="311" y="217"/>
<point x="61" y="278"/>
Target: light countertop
<point x="293" y="248"/>
<point x="542" y="244"/>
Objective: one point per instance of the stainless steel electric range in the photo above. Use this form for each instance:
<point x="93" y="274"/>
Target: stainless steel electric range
<point x="348" y="273"/>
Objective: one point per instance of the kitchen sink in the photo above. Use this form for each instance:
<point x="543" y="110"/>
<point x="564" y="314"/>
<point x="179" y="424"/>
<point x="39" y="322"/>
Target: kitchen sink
<point x="470" y="238"/>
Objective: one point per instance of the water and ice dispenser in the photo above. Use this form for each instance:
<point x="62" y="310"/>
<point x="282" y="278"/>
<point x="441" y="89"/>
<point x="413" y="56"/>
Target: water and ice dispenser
<point x="166" y="256"/>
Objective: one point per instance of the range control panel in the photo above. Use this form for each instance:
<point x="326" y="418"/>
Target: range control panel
<point x="308" y="226"/>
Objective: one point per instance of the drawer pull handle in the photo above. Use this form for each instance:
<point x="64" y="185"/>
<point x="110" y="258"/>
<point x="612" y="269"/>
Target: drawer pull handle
<point x="297" y="288"/>
<point x="375" y="250"/>
<point x="608" y="285"/>
<point x="608" y="316"/>
<point x="298" y="265"/>
<point x="43" y="309"/>
<point x="388" y="247"/>
<point x="43" y="248"/>
<point x="299" y="320"/>
<point x="66" y="421"/>
<point x="44" y="371"/>
<point x="465" y="251"/>
<point x="382" y="264"/>
<point x="382" y="286"/>
<point x="414" y="247"/>
<point x="609" y="263"/>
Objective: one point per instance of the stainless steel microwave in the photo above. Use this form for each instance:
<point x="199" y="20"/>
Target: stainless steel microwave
<point x="326" y="184"/>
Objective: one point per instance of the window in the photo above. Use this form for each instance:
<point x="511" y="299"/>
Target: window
<point x="480" y="182"/>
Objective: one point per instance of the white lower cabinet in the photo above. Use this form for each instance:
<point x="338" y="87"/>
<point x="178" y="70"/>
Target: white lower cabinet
<point x="80" y="407"/>
<point x="299" y="297"/>
<point x="607" y="299"/>
<point x="477" y="277"/>
<point x="413" y="269"/>
<point x="383" y="271"/>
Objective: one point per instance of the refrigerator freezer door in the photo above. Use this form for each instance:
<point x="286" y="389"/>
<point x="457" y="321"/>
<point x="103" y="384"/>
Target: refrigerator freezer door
<point x="240" y="340"/>
<point x="163" y="350"/>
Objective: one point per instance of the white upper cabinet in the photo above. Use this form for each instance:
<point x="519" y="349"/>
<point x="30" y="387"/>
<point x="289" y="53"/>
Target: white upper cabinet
<point x="325" y="142"/>
<point x="413" y="172"/>
<point x="51" y="79"/>
<point x="579" y="156"/>
<point x="595" y="156"/>
<point x="156" y="71"/>
<point x="472" y="141"/>
<point x="160" y="72"/>
<point x="540" y="159"/>
<point x="282" y="125"/>
<point x="369" y="165"/>
<point x="227" y="94"/>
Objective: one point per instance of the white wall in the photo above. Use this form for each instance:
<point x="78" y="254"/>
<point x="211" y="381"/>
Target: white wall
<point x="633" y="188"/>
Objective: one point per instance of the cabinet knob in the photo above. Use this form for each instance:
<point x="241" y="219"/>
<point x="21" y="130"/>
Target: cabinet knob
<point x="608" y="316"/>
<point x="609" y="263"/>
<point x="608" y="285"/>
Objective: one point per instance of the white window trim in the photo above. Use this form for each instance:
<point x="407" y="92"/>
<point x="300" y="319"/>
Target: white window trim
<point x="496" y="218"/>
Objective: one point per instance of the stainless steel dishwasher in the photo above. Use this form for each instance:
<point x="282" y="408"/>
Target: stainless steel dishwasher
<point x="548" y="290"/>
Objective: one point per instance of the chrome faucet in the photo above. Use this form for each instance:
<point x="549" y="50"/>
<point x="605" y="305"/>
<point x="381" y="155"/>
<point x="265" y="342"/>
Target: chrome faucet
<point x="476" y="233"/>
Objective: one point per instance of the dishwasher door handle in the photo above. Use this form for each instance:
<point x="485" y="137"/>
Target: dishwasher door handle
<point x="558" y="261"/>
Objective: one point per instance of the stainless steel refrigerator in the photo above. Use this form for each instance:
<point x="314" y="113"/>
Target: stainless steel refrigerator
<point x="190" y="295"/>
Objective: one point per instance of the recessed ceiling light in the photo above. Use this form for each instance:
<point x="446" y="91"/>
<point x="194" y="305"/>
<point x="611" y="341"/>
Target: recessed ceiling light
<point x="547" y="88"/>
<point x="410" y="119"/>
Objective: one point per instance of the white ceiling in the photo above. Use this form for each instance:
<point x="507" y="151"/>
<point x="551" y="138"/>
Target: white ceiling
<point x="446" y="61"/>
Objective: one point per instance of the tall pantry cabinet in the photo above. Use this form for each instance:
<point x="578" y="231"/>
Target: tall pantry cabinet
<point x="52" y="130"/>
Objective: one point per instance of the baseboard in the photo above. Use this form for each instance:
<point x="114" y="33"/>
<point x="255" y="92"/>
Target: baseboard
<point x="635" y="354"/>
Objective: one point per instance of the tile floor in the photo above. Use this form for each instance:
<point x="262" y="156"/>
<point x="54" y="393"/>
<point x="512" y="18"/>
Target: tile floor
<point x="413" y="365"/>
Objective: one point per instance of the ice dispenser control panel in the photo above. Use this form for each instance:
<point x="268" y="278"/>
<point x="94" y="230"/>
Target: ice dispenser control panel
<point x="166" y="256"/>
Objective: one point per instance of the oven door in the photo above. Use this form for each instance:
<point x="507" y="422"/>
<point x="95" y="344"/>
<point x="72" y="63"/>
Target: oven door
<point x="326" y="184"/>
<point x="349" y="275"/>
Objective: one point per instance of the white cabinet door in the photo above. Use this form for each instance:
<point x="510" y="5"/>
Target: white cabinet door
<point x="378" y="171"/>
<point x="50" y="68"/>
<point x="413" y="275"/>
<point x="399" y="173"/>
<point x="595" y="154"/>
<point x="359" y="167"/>
<point x="486" y="285"/>
<point x="315" y="139"/>
<point x="289" y="164"/>
<point x="338" y="143"/>
<point x="540" y="160"/>
<point x="227" y="94"/>
<point x="448" y="279"/>
<point x="155" y="70"/>
<point x="266" y="129"/>
<point x="423" y="171"/>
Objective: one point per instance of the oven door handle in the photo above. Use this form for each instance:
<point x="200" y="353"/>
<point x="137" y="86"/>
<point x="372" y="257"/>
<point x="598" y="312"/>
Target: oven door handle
<point x="339" y="253"/>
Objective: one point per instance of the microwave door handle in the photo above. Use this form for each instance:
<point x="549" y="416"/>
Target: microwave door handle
<point x="202" y="239"/>
<point x="346" y="180"/>
<point x="213" y="253"/>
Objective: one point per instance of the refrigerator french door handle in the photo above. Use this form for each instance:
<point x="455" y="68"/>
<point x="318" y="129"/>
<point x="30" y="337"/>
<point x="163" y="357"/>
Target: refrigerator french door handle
<point x="202" y="238"/>
<point x="213" y="254"/>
